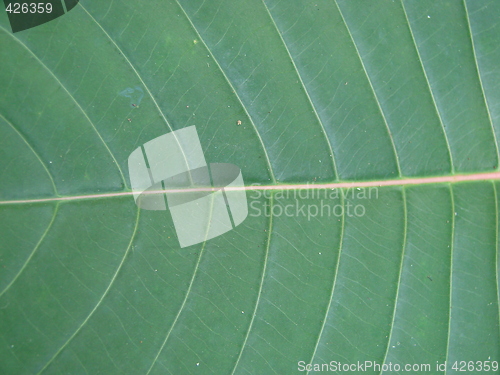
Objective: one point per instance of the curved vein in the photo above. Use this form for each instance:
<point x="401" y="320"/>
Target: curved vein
<point x="105" y="293"/>
<point x="451" y="272"/>
<point x="430" y="88"/>
<point x="174" y="323"/>
<point x="259" y="294"/>
<point x="497" y="265"/>
<point x="130" y="63"/>
<point x="140" y="79"/>
<point x="479" y="77"/>
<point x="37" y="246"/>
<point x="334" y="283"/>
<point x="188" y="293"/>
<point x="72" y="98"/>
<point x="305" y="90"/>
<point x="269" y="165"/>
<point x="33" y="151"/>
<point x="405" y="208"/>
<point x="49" y="226"/>
<point x="372" y="89"/>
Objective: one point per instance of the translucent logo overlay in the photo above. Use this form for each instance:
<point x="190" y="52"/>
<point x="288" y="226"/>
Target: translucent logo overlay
<point x="171" y="171"/>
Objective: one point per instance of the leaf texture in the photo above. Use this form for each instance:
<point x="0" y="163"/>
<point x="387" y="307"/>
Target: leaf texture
<point x="294" y="93"/>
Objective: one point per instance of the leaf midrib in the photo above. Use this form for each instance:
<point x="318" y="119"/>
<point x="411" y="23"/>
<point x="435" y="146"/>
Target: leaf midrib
<point x="458" y="178"/>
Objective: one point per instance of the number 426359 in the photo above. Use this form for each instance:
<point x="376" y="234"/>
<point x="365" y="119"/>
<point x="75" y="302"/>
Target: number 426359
<point x="475" y="366"/>
<point x="29" y="8"/>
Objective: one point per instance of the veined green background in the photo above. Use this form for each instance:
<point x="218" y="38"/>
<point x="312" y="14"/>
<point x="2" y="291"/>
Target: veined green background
<point x="326" y="91"/>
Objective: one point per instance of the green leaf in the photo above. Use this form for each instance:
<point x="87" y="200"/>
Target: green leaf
<point x="297" y="94"/>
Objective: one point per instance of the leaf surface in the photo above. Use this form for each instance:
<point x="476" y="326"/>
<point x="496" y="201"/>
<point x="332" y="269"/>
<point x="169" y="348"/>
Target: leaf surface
<point x="295" y="93"/>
